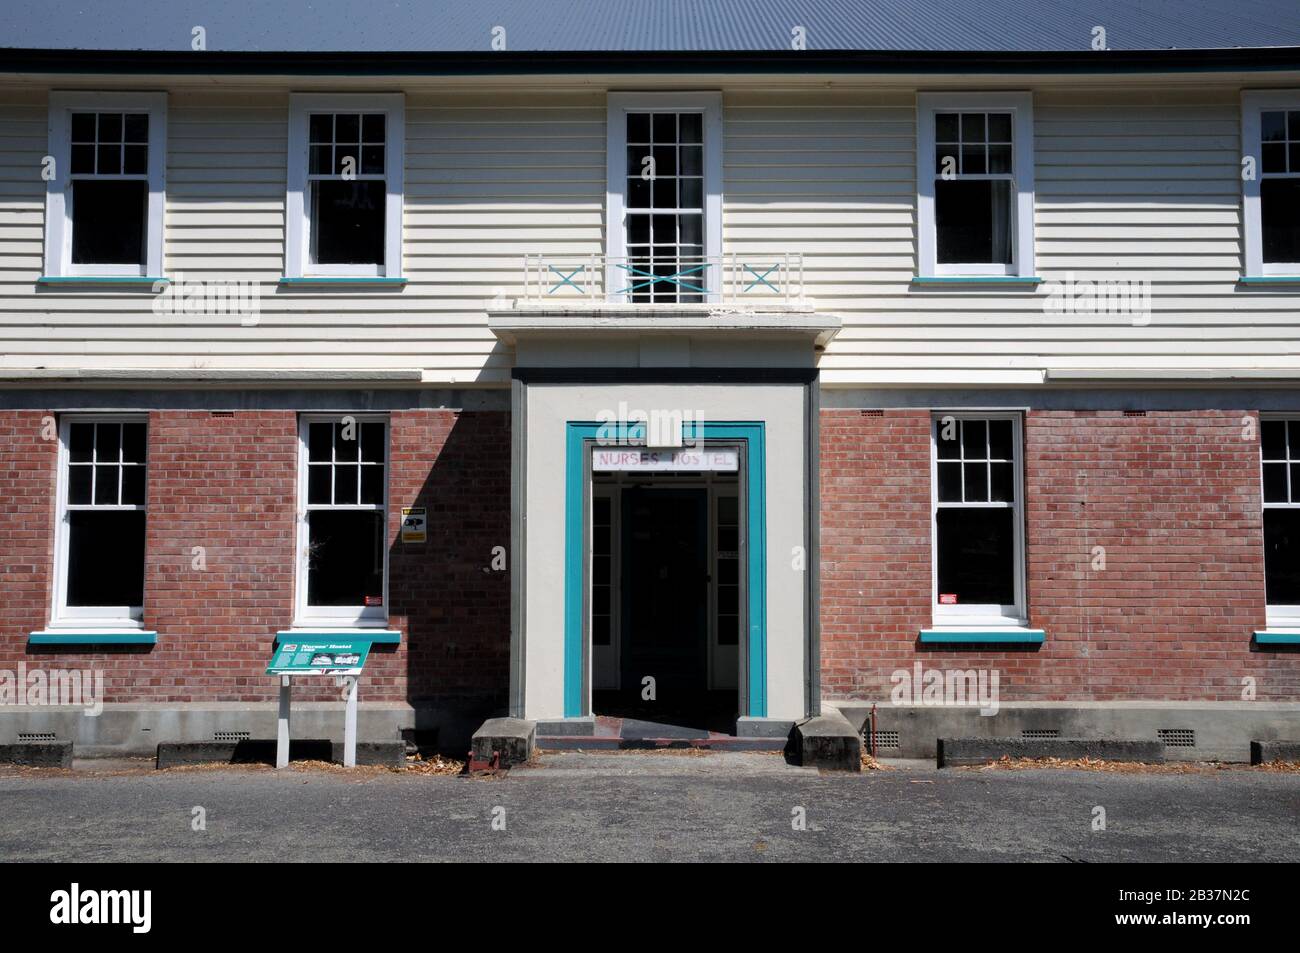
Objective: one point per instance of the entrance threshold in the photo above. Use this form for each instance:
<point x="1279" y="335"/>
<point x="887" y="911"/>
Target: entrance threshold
<point x="616" y="733"/>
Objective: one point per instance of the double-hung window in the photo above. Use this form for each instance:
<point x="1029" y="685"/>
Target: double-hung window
<point x="1280" y="452"/>
<point x="100" y="539"/>
<point x="342" y="532"/>
<point x="344" y="207"/>
<point x="664" y="240"/>
<point x="978" y="519"/>
<point x="975" y="184"/>
<point x="1270" y="132"/>
<point x="104" y="194"/>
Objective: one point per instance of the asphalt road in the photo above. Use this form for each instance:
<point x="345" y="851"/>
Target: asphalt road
<point x="635" y="806"/>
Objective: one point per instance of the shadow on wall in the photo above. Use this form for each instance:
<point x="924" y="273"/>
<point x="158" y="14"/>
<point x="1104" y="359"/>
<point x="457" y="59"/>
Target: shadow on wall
<point x="453" y="590"/>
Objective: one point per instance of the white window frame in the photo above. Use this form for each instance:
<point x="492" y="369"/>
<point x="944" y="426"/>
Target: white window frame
<point x="297" y="249"/>
<point x="58" y="205"/>
<point x="1253" y="103"/>
<point x="89" y="617"/>
<point x="708" y="105"/>
<point x="980" y="615"/>
<point x="1277" y="616"/>
<point x="1021" y="107"/>
<point x="306" y="616"/>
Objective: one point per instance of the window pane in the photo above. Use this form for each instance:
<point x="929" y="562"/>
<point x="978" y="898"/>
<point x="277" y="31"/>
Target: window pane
<point x="1001" y="446"/>
<point x="133" y="485"/>
<point x="1293" y="433"/>
<point x="1003" y="487"/>
<point x="106" y="485"/>
<point x="950" y="482"/>
<point x="136" y="161"/>
<point x="83" y="127"/>
<point x="1275" y="483"/>
<point x="946" y="159"/>
<point x="665" y="160"/>
<point x="976" y="555"/>
<point x="110" y="127"/>
<point x="372" y="485"/>
<point x="348" y="222"/>
<point x="83" y="159"/>
<point x="137" y="127"/>
<point x="1000" y="127"/>
<point x="321" y="160"/>
<point x="665" y="127"/>
<point x="79" y="483"/>
<point x="974" y="434"/>
<point x="946" y="434"/>
<point x="972" y="160"/>
<point x="81" y="442"/>
<point x="108" y="222"/>
<point x="318" y="484"/>
<point x="1000" y="159"/>
<point x="108" y="442"/>
<point x="664" y="192"/>
<point x="1280" y="219"/>
<point x="973" y="221"/>
<point x="1272" y="126"/>
<point x="105" y="558"/>
<point x="638" y="192"/>
<point x="1274" y="155"/>
<point x="347" y="160"/>
<point x="638" y="127"/>
<point x="372" y="442"/>
<point x="977" y="482"/>
<point x="345" y="564"/>
<point x="108" y="159"/>
<point x="372" y="160"/>
<point x="1272" y="434"/>
<point x="133" y="443"/>
<point x="691" y="127"/>
<point x="972" y="127"/>
<point x="372" y="129"/>
<point x="347" y="127"/>
<point x="345" y="483"/>
<point x="1282" y="557"/>
<point x="320" y="441"/>
<point x="945" y="127"/>
<point x="692" y="160"/>
<point x="321" y="127"/>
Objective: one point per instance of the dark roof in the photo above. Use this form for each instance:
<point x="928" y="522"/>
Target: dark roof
<point x="648" y="26"/>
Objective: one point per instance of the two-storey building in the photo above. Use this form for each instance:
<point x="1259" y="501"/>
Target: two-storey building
<point x="701" y="363"/>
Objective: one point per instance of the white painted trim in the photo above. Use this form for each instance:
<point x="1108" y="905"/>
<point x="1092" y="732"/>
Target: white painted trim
<point x="1276" y="616"/>
<point x="81" y="618"/>
<point x="1254" y="102"/>
<point x="979" y="616"/>
<point x="58" y="220"/>
<point x="709" y="105"/>
<point x="297" y="215"/>
<point x="1021" y="107"/>
<point x="336" y="617"/>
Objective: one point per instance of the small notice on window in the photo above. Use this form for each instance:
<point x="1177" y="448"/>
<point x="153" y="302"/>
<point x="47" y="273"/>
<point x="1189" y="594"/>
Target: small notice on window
<point x="947" y="598"/>
<point x="415" y="524"/>
<point x="374" y="600"/>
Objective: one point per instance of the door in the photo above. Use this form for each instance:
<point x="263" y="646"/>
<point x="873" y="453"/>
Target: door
<point x="665" y="590"/>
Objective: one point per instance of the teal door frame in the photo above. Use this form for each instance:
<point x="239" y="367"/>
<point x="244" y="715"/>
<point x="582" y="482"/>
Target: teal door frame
<point x="581" y="434"/>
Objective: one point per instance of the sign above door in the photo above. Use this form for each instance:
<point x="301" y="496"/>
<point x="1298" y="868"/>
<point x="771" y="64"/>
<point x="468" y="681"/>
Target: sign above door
<point x="713" y="459"/>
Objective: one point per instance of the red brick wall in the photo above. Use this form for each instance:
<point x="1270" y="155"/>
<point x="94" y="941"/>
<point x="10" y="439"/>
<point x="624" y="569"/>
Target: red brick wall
<point x="228" y="484"/>
<point x="1172" y="497"/>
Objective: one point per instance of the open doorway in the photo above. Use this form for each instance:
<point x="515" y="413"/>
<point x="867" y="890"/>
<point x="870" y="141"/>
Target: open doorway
<point x="666" y="579"/>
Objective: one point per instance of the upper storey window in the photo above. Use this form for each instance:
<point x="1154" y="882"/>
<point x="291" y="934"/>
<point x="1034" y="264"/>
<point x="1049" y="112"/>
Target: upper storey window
<point x="345" y="186"/>
<point x="1270" y="132"/>
<point x="104" y="200"/>
<point x="975" y="184"/>
<point x="664" y="243"/>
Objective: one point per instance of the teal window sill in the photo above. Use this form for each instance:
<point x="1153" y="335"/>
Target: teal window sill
<point x="1269" y="280"/>
<point x="376" y="636"/>
<point x="345" y="281"/>
<point x="1263" y="637"/>
<point x="101" y="280"/>
<point x="1010" y="636"/>
<point x="73" y="637"/>
<point x="1028" y="280"/>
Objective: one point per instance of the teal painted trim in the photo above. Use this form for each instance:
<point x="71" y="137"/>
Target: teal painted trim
<point x="753" y="435"/>
<point x="377" y="280"/>
<point x="100" y="280"/>
<point x="1277" y="638"/>
<point x="1009" y="636"/>
<point x="377" y="637"/>
<point x="1269" y="280"/>
<point x="93" y="638"/>
<point x="976" y="280"/>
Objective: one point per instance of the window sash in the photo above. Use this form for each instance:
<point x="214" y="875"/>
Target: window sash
<point x="106" y="616"/>
<point x="974" y="614"/>
<point x="1254" y="103"/>
<point x="305" y="613"/>
<point x="1280" y="615"/>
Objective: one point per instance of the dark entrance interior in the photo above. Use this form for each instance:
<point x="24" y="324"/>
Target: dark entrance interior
<point x="663" y="616"/>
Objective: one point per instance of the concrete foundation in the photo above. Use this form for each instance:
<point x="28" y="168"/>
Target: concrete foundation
<point x="954" y="752"/>
<point x="46" y="754"/>
<point x="514" y="738"/>
<point x="827" y="741"/>
<point x="1266" y="752"/>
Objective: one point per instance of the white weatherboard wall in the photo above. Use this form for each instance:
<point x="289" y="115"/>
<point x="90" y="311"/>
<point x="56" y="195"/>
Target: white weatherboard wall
<point x="1131" y="184"/>
<point x="783" y="408"/>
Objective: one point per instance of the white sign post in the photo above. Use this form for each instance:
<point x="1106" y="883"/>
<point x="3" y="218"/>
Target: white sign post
<point x="350" y="723"/>
<point x="282" y="727"/>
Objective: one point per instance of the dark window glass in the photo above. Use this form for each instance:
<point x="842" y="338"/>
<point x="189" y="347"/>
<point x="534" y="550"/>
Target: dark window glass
<point x="372" y="485"/>
<point x="974" y="434"/>
<point x="946" y="128"/>
<point x="81" y="442"/>
<point x="977" y="482"/>
<point x="83" y="127"/>
<point x="347" y="127"/>
<point x="1273" y="439"/>
<point x="973" y="221"/>
<point x="950" y="482"/>
<point x="79" y="484"/>
<point x="320" y="441"/>
<point x="972" y="127"/>
<point x="1274" y="154"/>
<point x="948" y="432"/>
<point x="976" y="555"/>
<point x="348" y="222"/>
<point x="1280" y="219"/>
<point x="137" y="127"/>
<point x="372" y="442"/>
<point x="372" y="128"/>
<point x="318" y="484"/>
<point x="110" y="127"/>
<point x="345" y="563"/>
<point x="133" y="443"/>
<point x="345" y="484"/>
<point x="999" y="127"/>
<point x="638" y="127"/>
<point x="664" y="127"/>
<point x="108" y="222"/>
<point x="1275" y="483"/>
<point x="1272" y="126"/>
<point x="1002" y="489"/>
<point x="1000" y="443"/>
<point x="1282" y="557"/>
<point x="691" y="127"/>
<point x="83" y="159"/>
<point x="108" y="442"/>
<point x="321" y="127"/>
<point x="105" y="558"/>
<point x="106" y="485"/>
<point x="133" y="485"/>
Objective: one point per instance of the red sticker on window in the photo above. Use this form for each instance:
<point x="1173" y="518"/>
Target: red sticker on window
<point x="947" y="598"/>
<point x="374" y="600"/>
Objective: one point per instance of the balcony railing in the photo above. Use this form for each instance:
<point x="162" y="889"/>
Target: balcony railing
<point x="724" y="279"/>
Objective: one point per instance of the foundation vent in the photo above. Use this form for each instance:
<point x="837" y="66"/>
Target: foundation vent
<point x="1135" y="413"/>
<point x="884" y="739"/>
<point x="872" y="413"/>
<point x="1040" y="732"/>
<point x="34" y="737"/>
<point x="223" y="413"/>
<point x="229" y="736"/>
<point x="1177" y="737"/>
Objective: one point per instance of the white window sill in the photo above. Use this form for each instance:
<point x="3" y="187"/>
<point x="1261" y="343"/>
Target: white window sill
<point x="378" y="634"/>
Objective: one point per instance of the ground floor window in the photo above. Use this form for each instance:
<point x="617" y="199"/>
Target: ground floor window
<point x="101" y="528"/>
<point x="342" y="536"/>
<point x="978" y="522"/>
<point x="1280" y="451"/>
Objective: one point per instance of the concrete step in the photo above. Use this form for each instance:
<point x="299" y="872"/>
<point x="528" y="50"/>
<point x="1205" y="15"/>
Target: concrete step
<point x="617" y="743"/>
